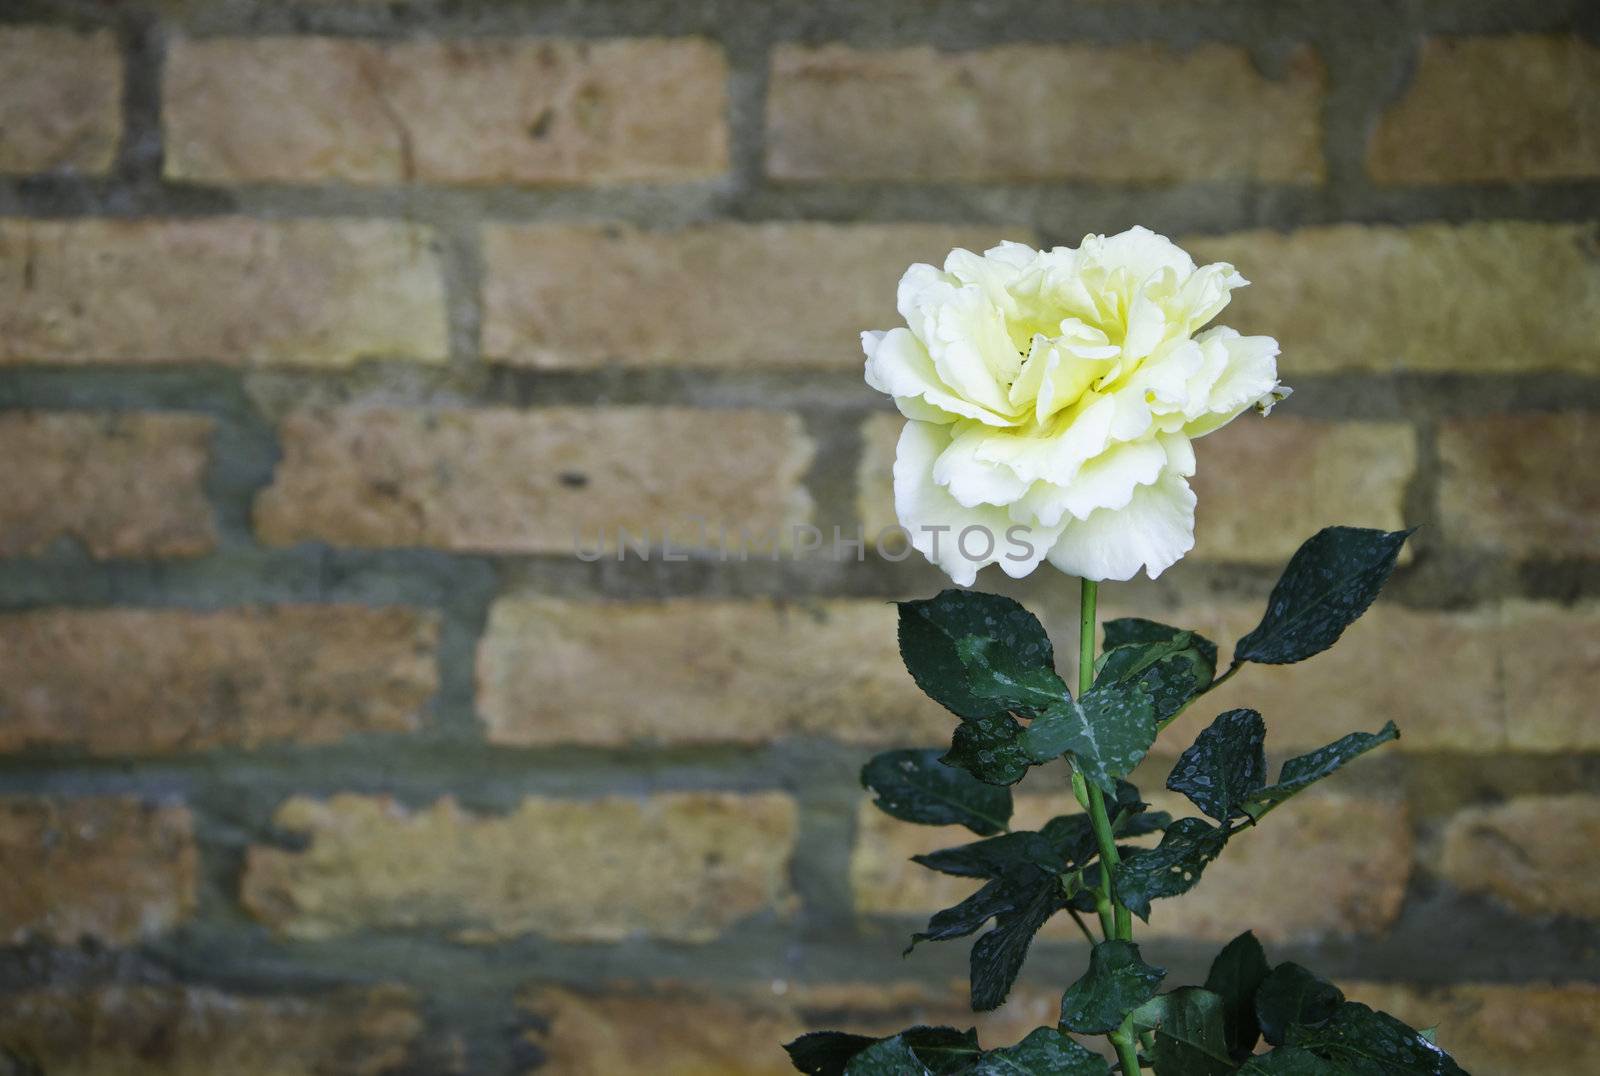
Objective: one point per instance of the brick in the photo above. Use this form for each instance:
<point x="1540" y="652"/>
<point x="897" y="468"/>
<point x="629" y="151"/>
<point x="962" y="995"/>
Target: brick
<point x="880" y="434"/>
<point x="677" y="866"/>
<point x="62" y="109"/>
<point x="609" y="674"/>
<point x="319" y="293"/>
<point x="1520" y="484"/>
<point x="1486" y="297"/>
<point x="1339" y="691"/>
<point x="547" y="481"/>
<point x="1540" y="855"/>
<point x="123" y="485"/>
<point x="1495" y="1029"/>
<point x="1490" y="109"/>
<point x="151" y="1030"/>
<point x="717" y="295"/>
<point x="112" y="869"/>
<point x="1360" y="847"/>
<point x="310" y="110"/>
<point x="1140" y="113"/>
<point x="138" y="681"/>
<point x="1549" y="667"/>
<point x="691" y="1030"/>
<point x="684" y="1031"/>
<point x="1265" y="487"/>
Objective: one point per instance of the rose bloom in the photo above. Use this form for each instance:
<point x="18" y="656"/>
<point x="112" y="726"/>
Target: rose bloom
<point x="1053" y="396"/>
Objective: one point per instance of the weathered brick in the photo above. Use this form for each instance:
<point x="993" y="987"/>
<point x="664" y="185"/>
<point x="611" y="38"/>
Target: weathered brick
<point x="1339" y="691"/>
<point x="320" y="293"/>
<point x="547" y="481"/>
<point x="1495" y="1029"/>
<point x="1487" y="109"/>
<point x="1492" y="296"/>
<point x="307" y="109"/>
<point x="136" y="681"/>
<point x="723" y="295"/>
<point x="1538" y="854"/>
<point x="1362" y="848"/>
<point x="62" y="109"/>
<point x="684" y="1030"/>
<point x="690" y="671"/>
<point x="140" y="1030"/>
<point x="113" y="869"/>
<point x="690" y="1030"/>
<point x="1522" y="484"/>
<point x="680" y="866"/>
<point x="1265" y="487"/>
<point x="124" y="485"/>
<point x="1549" y="669"/>
<point x="1359" y="848"/>
<point x="1033" y="112"/>
<point x="875" y="479"/>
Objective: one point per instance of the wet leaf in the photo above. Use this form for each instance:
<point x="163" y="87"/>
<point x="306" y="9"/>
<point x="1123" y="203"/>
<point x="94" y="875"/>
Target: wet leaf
<point x="997" y="956"/>
<point x="1235" y="976"/>
<point x="1045" y="1052"/>
<point x="1172" y="867"/>
<point x="1117" y="982"/>
<point x="1189" y="1033"/>
<point x="990" y="748"/>
<point x="1302" y="771"/>
<point x="914" y="786"/>
<point x="1291" y="996"/>
<point x="1330" y="581"/>
<point x="1107" y="733"/>
<point x="1355" y="1041"/>
<point x="1224" y="766"/>
<point x="978" y="654"/>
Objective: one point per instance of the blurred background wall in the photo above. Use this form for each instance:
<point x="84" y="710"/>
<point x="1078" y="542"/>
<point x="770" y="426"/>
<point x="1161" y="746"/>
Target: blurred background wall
<point x="325" y="325"/>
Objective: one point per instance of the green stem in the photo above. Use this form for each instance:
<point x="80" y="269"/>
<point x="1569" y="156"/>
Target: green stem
<point x="1121" y="925"/>
<point x="1127" y="1052"/>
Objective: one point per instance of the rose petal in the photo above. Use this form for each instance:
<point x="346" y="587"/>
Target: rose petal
<point x="1152" y="532"/>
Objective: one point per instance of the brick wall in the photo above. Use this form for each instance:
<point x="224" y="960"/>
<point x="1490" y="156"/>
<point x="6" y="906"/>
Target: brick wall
<point x="323" y="326"/>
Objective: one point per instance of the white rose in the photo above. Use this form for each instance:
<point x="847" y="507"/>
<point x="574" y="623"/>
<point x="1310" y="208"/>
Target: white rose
<point x="1053" y="396"/>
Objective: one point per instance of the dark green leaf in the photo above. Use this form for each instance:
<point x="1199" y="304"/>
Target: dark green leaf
<point x="1045" y="1052"/>
<point x="977" y="654"/>
<point x="989" y="748"/>
<point x="1132" y="629"/>
<point x="1290" y="1061"/>
<point x="1116" y="983"/>
<point x="1330" y="581"/>
<point x="1189" y="1033"/>
<point x="1171" y="670"/>
<point x="1291" y="996"/>
<point x="1224" y="766"/>
<point x="1236" y="974"/>
<point x="887" y="1057"/>
<point x="1107" y="733"/>
<point x="915" y="786"/>
<point x="943" y="1049"/>
<point x="917" y="1051"/>
<point x="1303" y="771"/>
<point x="969" y="916"/>
<point x="1010" y="855"/>
<point x="1171" y="867"/>
<point x="1361" y="1042"/>
<point x="826" y="1053"/>
<point x="997" y="956"/>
